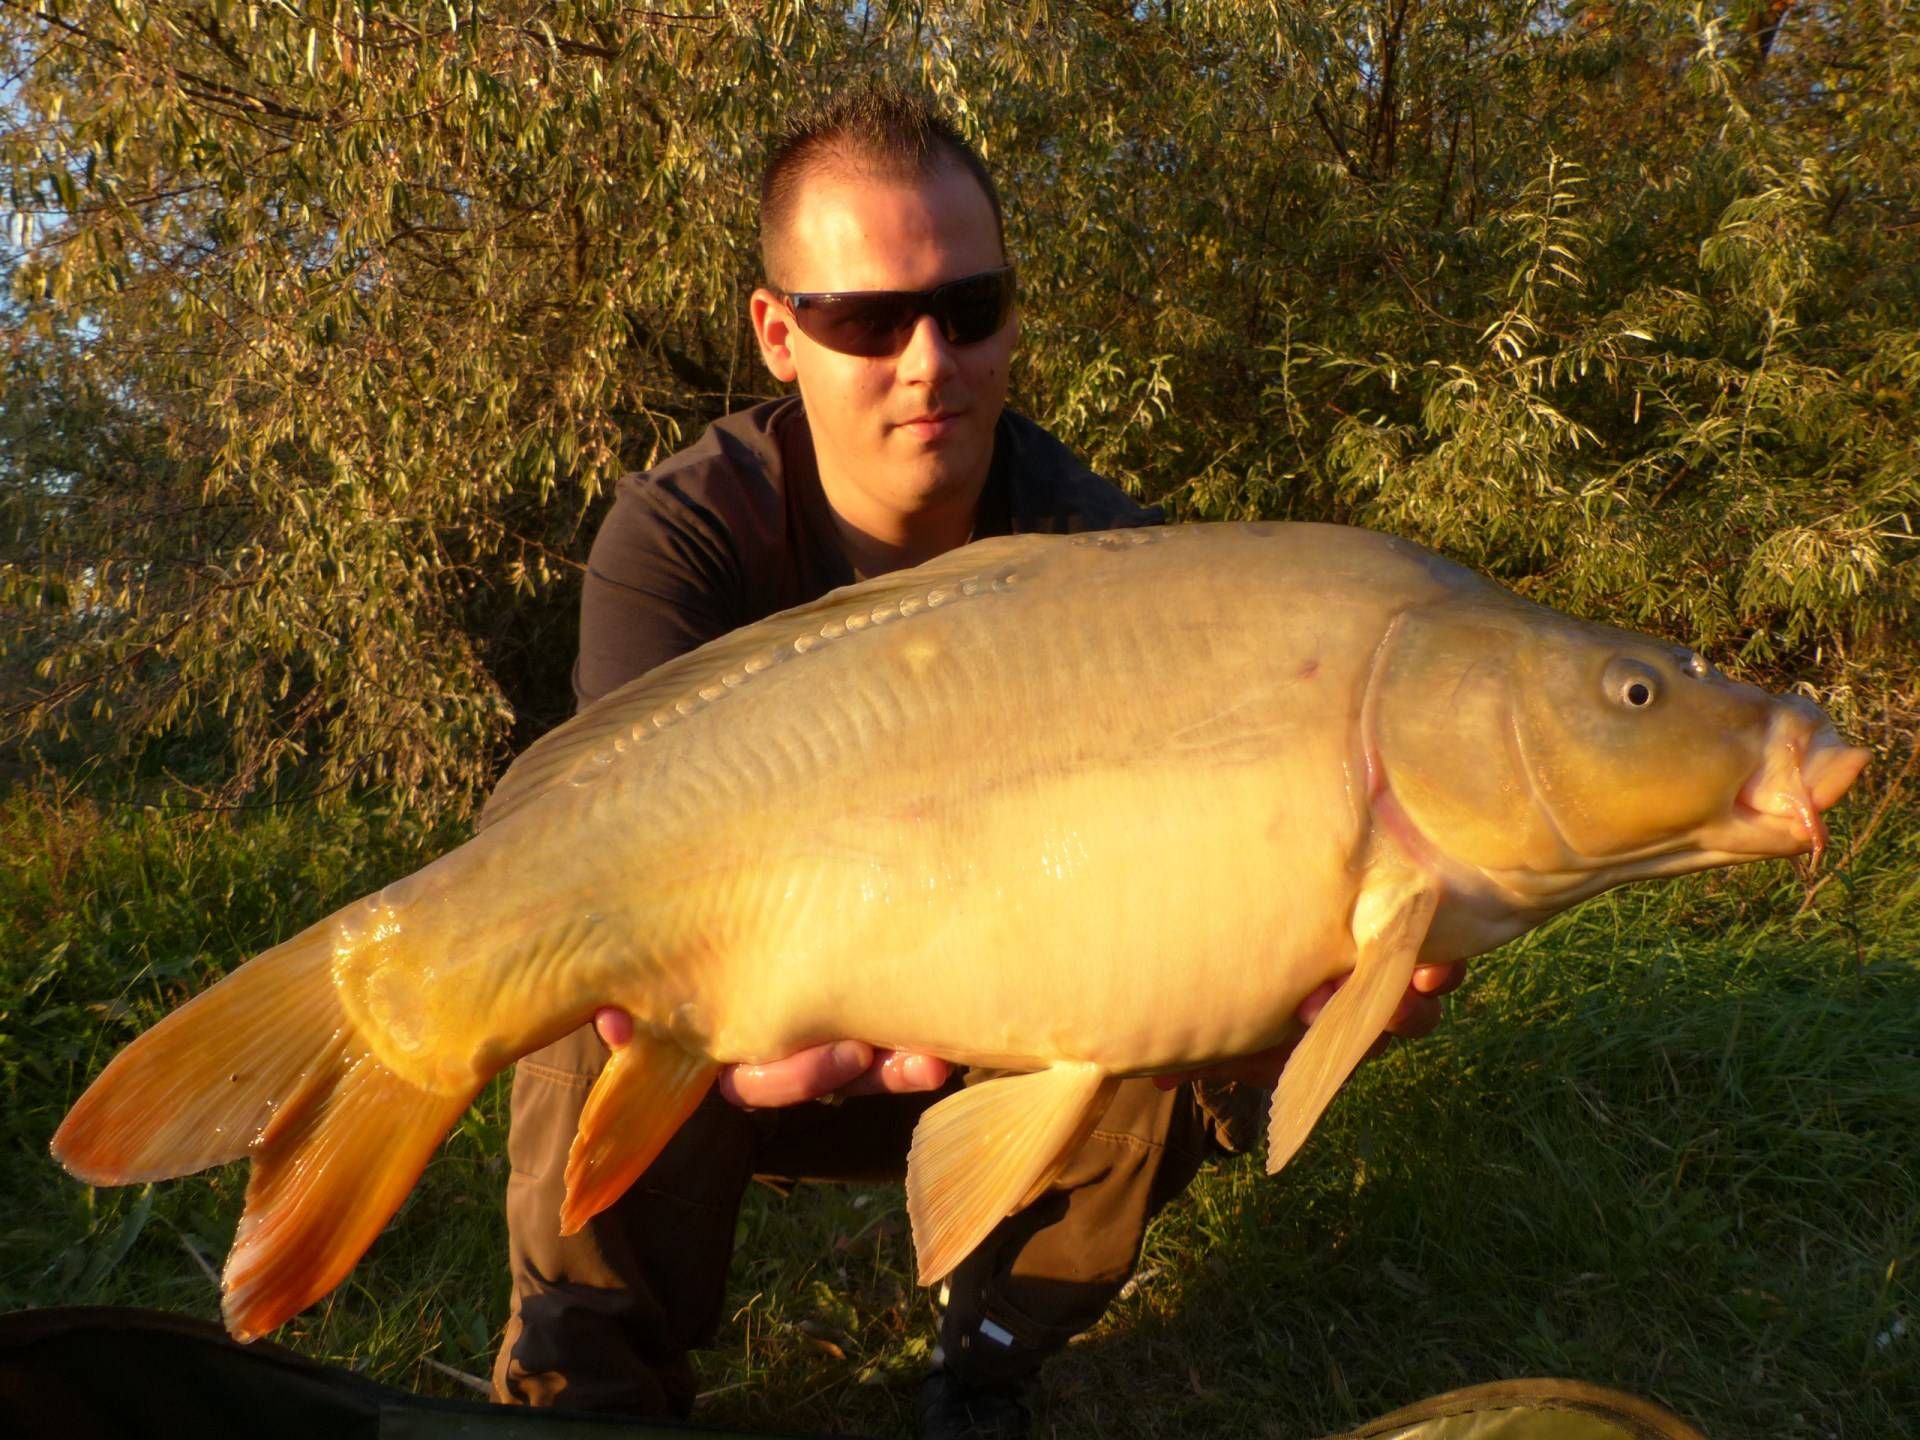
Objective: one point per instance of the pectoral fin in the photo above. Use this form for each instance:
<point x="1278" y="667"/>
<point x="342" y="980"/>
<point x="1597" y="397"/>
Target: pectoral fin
<point x="647" y="1091"/>
<point x="979" y="1155"/>
<point x="1389" y="926"/>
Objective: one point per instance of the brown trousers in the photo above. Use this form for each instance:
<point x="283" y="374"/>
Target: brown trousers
<point x="603" y="1319"/>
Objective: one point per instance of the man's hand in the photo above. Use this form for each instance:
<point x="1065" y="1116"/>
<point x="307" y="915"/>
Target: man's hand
<point x="1417" y="1014"/>
<point x="845" y="1067"/>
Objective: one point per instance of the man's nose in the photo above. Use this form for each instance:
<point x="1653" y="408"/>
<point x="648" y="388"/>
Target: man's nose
<point x="928" y="358"/>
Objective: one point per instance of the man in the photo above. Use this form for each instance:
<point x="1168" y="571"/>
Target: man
<point x="889" y="303"/>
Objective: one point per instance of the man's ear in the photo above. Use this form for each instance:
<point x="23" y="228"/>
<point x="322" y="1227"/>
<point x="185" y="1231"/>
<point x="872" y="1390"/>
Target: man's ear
<point x="773" y="328"/>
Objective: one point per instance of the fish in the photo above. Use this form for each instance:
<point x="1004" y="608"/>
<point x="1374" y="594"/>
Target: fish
<point x="1074" y="808"/>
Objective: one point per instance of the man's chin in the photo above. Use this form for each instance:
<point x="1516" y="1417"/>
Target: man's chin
<point x="943" y="474"/>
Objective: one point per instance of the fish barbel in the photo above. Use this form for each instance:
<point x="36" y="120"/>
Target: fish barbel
<point x="1076" y="807"/>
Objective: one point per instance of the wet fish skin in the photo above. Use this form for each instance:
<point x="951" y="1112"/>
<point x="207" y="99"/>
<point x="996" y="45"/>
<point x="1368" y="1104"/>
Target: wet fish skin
<point x="1085" y="807"/>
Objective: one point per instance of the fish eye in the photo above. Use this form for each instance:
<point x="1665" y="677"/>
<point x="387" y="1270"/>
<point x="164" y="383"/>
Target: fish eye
<point x="1632" y="684"/>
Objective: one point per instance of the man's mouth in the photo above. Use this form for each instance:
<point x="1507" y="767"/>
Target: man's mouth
<point x="934" y="425"/>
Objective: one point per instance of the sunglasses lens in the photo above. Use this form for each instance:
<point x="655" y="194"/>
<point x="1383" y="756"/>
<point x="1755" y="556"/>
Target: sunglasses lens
<point x="858" y="325"/>
<point x="879" y="324"/>
<point x="970" y="310"/>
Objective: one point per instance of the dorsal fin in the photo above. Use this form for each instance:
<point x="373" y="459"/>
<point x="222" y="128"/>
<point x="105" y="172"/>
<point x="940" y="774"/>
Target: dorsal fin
<point x="575" y="752"/>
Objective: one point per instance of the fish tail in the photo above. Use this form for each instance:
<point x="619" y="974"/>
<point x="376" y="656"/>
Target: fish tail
<point x="267" y="1065"/>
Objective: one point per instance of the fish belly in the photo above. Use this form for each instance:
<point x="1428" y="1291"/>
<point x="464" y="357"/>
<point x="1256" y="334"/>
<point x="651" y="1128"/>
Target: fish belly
<point x="1140" y="922"/>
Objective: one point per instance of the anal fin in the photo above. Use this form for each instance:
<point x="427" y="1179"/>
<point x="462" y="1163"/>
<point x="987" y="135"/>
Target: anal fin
<point x="979" y="1155"/>
<point x="1390" y="924"/>
<point x="648" y="1089"/>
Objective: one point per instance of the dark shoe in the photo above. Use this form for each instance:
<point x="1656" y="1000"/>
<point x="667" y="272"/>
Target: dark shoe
<point x="947" y="1408"/>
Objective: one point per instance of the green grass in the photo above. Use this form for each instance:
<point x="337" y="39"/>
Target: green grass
<point x="1669" y="1142"/>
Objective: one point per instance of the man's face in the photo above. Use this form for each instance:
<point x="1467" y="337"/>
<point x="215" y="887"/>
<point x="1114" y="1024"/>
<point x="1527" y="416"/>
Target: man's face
<point x="911" y="432"/>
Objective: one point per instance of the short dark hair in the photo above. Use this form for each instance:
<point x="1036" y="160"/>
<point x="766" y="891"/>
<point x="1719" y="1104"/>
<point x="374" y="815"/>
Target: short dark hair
<point x="877" y="129"/>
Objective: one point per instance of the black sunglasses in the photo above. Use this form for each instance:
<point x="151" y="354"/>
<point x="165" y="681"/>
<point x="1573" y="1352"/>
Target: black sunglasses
<point x="877" y="323"/>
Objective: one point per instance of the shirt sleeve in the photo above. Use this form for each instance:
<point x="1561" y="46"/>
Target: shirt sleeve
<point x="662" y="578"/>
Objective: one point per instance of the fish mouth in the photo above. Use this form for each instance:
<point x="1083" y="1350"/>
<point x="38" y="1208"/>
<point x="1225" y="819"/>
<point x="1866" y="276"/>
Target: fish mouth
<point x="1804" y="771"/>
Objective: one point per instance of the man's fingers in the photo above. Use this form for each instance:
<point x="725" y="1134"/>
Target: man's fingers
<point x="804" y="1076"/>
<point x="846" y="1067"/>
<point x="1419" y="1010"/>
<point x="614" y="1025"/>
<point x="1415" y="1015"/>
<point x="1309" y="1009"/>
<point x="1439" y="979"/>
<point x="900" y="1072"/>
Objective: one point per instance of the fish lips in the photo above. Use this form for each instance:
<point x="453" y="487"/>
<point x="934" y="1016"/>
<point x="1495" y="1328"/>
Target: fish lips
<point x="1805" y="771"/>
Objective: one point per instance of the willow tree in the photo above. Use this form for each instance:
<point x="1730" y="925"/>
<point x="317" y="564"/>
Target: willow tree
<point x="332" y="322"/>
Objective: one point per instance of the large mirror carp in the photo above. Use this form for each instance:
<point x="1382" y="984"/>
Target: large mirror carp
<point x="1078" y="807"/>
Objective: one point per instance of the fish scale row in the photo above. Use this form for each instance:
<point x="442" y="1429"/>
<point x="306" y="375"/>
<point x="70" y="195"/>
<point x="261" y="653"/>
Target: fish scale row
<point x="542" y="768"/>
<point x="832" y="630"/>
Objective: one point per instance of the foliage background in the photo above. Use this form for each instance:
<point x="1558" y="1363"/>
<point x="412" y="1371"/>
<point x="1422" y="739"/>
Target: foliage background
<point x="330" y="323"/>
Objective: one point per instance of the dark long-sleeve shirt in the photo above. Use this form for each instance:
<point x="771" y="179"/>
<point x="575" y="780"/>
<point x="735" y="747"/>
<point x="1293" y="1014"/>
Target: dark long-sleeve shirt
<point x="736" y="527"/>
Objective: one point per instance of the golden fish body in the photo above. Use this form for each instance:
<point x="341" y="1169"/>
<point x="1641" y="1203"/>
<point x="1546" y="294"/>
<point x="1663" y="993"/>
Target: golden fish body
<point x="1081" y="807"/>
<point x="925" y="837"/>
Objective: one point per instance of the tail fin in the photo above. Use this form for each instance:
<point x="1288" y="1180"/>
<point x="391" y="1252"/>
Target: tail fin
<point x="267" y="1065"/>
